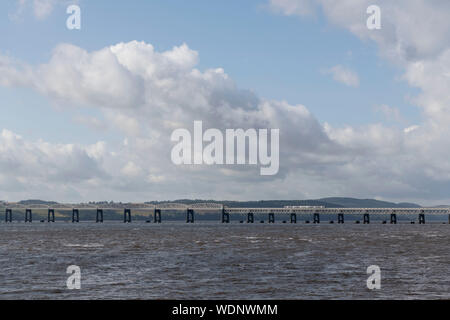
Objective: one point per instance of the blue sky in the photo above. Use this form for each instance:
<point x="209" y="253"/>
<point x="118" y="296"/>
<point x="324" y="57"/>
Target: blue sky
<point x="275" y="56"/>
<point x="371" y="98"/>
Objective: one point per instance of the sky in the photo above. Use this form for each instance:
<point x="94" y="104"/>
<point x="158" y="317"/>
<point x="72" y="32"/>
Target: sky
<point x="87" y="115"/>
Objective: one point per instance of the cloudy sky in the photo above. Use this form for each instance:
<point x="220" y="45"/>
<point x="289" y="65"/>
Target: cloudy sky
<point x="86" y="115"/>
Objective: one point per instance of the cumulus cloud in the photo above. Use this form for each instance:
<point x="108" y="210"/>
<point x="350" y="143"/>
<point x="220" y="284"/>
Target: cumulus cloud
<point x="343" y="75"/>
<point x="411" y="29"/>
<point x="391" y="113"/>
<point x="414" y="36"/>
<point x="43" y="8"/>
<point x="289" y="7"/>
<point x="47" y="168"/>
<point x="145" y="95"/>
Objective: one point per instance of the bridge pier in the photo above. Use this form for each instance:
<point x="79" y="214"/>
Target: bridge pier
<point x="126" y="215"/>
<point x="225" y="216"/>
<point x="316" y="217"/>
<point x="422" y="218"/>
<point x="340" y="218"/>
<point x="157" y="216"/>
<point x="75" y="216"/>
<point x="99" y="217"/>
<point x="271" y="217"/>
<point x="393" y="218"/>
<point x="190" y="216"/>
<point x="293" y="218"/>
<point x="366" y="218"/>
<point x="8" y="215"/>
<point x="250" y="217"/>
<point x="28" y="215"/>
<point x="51" y="215"/>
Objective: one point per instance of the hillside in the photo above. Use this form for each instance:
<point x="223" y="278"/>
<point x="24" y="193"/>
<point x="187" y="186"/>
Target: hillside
<point x="366" y="203"/>
<point x="332" y="202"/>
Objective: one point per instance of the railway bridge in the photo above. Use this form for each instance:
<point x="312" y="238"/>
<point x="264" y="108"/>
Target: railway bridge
<point x="155" y="212"/>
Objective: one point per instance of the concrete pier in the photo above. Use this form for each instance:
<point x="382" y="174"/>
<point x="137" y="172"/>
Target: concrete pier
<point x="393" y="218"/>
<point x="225" y="216"/>
<point x="75" y="216"/>
<point x="99" y="216"/>
<point x="366" y="219"/>
<point x="250" y="217"/>
<point x="422" y="218"/>
<point x="126" y="216"/>
<point x="189" y="216"/>
<point x="51" y="215"/>
<point x="8" y="215"/>
<point x="316" y="218"/>
<point x="157" y="216"/>
<point x="293" y="218"/>
<point x="340" y="218"/>
<point x="271" y="217"/>
<point x="28" y="216"/>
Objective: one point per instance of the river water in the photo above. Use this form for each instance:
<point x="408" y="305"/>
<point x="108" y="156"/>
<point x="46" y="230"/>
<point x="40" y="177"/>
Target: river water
<point x="209" y="260"/>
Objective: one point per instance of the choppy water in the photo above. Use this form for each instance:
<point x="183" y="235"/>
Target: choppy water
<point x="214" y="261"/>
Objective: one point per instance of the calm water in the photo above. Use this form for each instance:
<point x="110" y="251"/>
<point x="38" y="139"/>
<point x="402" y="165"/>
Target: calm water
<point x="214" y="261"/>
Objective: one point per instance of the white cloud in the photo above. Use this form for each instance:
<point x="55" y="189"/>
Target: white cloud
<point x="343" y="75"/>
<point x="145" y="95"/>
<point x="47" y="168"/>
<point x="288" y="7"/>
<point x="414" y="36"/>
<point x="411" y="129"/>
<point x="41" y="9"/>
<point x="131" y="169"/>
<point x="91" y="122"/>
<point x="411" y="29"/>
<point x="391" y="113"/>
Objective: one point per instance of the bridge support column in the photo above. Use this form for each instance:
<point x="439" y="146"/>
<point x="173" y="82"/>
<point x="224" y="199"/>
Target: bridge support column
<point x="8" y="215"/>
<point x="51" y="215"/>
<point x="293" y="218"/>
<point x="126" y="215"/>
<point x="157" y="216"/>
<point x="225" y="216"/>
<point x="271" y="217"/>
<point x="190" y="216"/>
<point x="422" y="218"/>
<point x="28" y="215"/>
<point x="340" y="218"/>
<point x="366" y="218"/>
<point x="99" y="217"/>
<point x="393" y="218"/>
<point x="75" y="216"/>
<point x="316" y="217"/>
<point x="250" y="217"/>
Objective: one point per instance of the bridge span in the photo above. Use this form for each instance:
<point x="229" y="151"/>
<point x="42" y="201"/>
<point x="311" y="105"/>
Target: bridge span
<point x="156" y="212"/>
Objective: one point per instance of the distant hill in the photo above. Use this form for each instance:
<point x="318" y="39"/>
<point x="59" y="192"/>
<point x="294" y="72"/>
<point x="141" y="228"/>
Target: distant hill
<point x="366" y="203"/>
<point x="256" y="204"/>
<point x="41" y="202"/>
<point x="333" y="202"/>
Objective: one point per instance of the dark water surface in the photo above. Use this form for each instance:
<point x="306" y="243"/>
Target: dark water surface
<point x="207" y="260"/>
